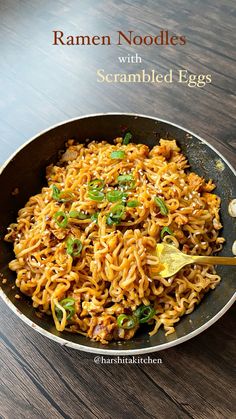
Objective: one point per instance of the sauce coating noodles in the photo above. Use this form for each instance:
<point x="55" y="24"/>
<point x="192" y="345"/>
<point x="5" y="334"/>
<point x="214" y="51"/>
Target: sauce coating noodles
<point x="85" y="245"/>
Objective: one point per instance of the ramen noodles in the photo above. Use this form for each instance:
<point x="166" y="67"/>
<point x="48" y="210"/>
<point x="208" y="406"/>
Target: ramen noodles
<point x="85" y="245"/>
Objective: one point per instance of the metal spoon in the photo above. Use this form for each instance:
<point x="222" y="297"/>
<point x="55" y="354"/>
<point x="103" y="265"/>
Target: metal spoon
<point x="173" y="259"/>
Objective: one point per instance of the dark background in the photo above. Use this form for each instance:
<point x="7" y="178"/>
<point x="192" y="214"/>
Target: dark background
<point x="41" y="85"/>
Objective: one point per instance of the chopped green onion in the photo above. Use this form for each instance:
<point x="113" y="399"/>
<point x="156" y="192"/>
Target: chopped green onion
<point x="73" y="247"/>
<point x="110" y="221"/>
<point x="78" y="214"/>
<point x="133" y="204"/>
<point x="126" y="322"/>
<point x="119" y="154"/>
<point x="166" y="230"/>
<point x="160" y="202"/>
<point x="61" y="219"/>
<point x="69" y="305"/>
<point x="61" y="196"/>
<point x="65" y="196"/>
<point x="55" y="192"/>
<point x="116" y="214"/>
<point x="144" y="313"/>
<point x="96" y="184"/>
<point x="126" y="180"/>
<point x="94" y="217"/>
<point x="127" y="138"/>
<point x="114" y="196"/>
<point x="96" y="195"/>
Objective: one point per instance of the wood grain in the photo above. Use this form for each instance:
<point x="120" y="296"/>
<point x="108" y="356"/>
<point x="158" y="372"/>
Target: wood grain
<point x="42" y="85"/>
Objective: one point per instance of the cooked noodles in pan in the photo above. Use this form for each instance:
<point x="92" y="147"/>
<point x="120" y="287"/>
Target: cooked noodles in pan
<point x="85" y="245"/>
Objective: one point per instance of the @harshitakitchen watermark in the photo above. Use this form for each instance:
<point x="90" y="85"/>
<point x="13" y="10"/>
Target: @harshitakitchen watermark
<point x="100" y="359"/>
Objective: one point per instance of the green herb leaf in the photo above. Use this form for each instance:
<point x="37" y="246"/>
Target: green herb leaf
<point x="127" y="138"/>
<point x="119" y="154"/>
<point x="166" y="230"/>
<point x="73" y="247"/>
<point x="161" y="203"/>
<point x="126" y="322"/>
<point x="61" y="219"/>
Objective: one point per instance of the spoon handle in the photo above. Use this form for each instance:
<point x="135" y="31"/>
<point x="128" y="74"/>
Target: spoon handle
<point x="215" y="260"/>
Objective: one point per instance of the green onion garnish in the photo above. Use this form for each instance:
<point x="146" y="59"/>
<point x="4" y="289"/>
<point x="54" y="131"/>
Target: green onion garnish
<point x="73" y="247"/>
<point x="55" y="192"/>
<point x="110" y="222"/>
<point x="96" y="195"/>
<point x="61" y="219"/>
<point x="69" y="305"/>
<point x="133" y="204"/>
<point x="144" y="313"/>
<point x="166" y="230"/>
<point x="124" y="178"/>
<point x="78" y="214"/>
<point x="96" y="184"/>
<point x="94" y="217"/>
<point x="116" y="214"/>
<point x="127" y="138"/>
<point x="65" y="196"/>
<point x="114" y="196"/>
<point x="61" y="196"/>
<point x="160" y="202"/>
<point x="117" y="154"/>
<point x="126" y="322"/>
<point x="126" y="181"/>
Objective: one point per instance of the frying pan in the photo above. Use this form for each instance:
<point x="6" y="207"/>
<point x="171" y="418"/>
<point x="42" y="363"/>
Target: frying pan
<point x="25" y="170"/>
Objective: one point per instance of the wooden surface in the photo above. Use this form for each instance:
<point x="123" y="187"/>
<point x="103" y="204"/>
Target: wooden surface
<point x="42" y="85"/>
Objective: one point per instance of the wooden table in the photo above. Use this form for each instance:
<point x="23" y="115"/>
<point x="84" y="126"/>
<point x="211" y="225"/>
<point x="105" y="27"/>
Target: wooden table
<point x="41" y="85"/>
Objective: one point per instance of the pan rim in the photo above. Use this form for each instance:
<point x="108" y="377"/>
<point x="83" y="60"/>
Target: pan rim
<point x="105" y="351"/>
<point x="115" y="352"/>
<point x="11" y="157"/>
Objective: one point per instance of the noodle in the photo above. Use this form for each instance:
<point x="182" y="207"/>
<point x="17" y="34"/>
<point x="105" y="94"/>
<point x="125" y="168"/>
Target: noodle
<point x="85" y="245"/>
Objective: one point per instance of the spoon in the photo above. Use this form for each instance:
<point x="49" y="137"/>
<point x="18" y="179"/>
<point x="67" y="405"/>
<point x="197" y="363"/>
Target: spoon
<point x="173" y="259"/>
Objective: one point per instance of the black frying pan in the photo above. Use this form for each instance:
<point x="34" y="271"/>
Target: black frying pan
<point x="26" y="171"/>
